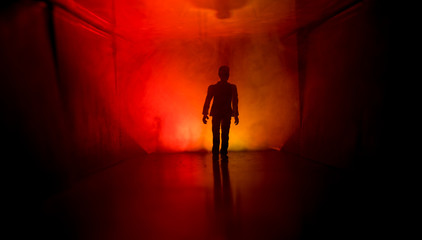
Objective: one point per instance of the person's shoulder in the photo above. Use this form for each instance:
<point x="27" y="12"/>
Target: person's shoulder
<point x="232" y="85"/>
<point x="212" y="86"/>
<point x="216" y="84"/>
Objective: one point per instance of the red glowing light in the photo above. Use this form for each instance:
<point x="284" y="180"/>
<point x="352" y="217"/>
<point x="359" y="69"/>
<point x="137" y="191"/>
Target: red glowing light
<point x="166" y="55"/>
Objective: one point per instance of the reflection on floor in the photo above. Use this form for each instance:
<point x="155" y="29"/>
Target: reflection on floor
<point x="253" y="195"/>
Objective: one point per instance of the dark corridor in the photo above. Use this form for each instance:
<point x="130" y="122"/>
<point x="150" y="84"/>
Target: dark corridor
<point x="101" y="125"/>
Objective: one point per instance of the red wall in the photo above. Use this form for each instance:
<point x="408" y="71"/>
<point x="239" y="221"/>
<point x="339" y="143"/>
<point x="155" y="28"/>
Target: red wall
<point x="59" y="95"/>
<point x="34" y="132"/>
<point x="86" y="73"/>
<point x="342" y="75"/>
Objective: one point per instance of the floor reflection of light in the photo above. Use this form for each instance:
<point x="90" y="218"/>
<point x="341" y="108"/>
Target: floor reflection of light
<point x="223" y="198"/>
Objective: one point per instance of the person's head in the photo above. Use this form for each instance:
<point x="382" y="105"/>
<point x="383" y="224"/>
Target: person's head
<point x="224" y="73"/>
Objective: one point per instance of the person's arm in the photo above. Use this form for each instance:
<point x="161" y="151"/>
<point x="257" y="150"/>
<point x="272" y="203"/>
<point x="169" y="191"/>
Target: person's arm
<point x="207" y="105"/>
<point x="235" y="105"/>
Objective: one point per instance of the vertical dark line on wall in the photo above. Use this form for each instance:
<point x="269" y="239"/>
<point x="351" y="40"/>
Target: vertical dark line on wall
<point x="53" y="43"/>
<point x="52" y="33"/>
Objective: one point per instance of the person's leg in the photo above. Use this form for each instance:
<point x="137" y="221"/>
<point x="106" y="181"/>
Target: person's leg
<point x="215" y="134"/>
<point x="225" y="128"/>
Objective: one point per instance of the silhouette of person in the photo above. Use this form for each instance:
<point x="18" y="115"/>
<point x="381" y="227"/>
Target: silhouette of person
<point x="225" y="96"/>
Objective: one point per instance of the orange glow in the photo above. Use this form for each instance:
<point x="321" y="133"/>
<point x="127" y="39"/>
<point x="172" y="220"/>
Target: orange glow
<point x="169" y="54"/>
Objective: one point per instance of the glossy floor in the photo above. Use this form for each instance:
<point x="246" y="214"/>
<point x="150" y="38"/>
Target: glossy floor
<point x="253" y="195"/>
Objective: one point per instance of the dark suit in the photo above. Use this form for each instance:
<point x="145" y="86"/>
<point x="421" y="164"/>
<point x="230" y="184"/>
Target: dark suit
<point x="224" y="106"/>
